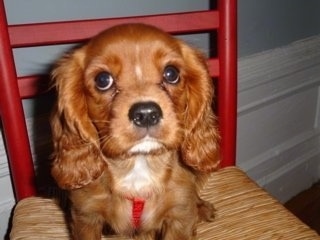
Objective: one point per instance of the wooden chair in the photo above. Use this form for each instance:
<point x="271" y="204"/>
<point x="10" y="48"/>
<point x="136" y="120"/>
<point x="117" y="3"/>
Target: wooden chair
<point x="244" y="210"/>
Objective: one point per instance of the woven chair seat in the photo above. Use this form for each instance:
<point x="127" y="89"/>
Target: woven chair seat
<point x="244" y="211"/>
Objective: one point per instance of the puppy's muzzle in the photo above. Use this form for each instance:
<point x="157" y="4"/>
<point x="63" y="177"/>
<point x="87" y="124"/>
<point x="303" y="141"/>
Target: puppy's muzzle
<point x="145" y="114"/>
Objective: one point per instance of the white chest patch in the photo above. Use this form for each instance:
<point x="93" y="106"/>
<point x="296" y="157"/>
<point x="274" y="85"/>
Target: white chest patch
<point x="139" y="179"/>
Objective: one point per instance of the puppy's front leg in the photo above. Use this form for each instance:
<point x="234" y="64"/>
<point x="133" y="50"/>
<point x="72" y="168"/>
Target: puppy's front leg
<point x="206" y="211"/>
<point x="86" y="227"/>
<point x="147" y="236"/>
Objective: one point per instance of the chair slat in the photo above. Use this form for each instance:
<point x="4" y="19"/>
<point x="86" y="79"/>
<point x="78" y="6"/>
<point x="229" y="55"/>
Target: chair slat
<point x="76" y="31"/>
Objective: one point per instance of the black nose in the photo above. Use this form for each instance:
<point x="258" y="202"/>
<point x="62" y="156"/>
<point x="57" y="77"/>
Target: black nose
<point x="145" y="114"/>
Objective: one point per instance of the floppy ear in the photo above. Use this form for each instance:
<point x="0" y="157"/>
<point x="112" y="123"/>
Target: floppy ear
<point x="200" y="148"/>
<point x="77" y="157"/>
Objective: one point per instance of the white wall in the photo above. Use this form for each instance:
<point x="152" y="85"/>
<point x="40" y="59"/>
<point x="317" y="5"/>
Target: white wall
<point x="268" y="24"/>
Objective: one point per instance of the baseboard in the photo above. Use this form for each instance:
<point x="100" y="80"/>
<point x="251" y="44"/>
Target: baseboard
<point x="272" y="75"/>
<point x="288" y="168"/>
<point x="278" y="117"/>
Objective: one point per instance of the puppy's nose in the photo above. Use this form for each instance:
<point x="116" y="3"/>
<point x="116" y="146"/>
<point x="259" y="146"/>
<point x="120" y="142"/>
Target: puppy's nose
<point x="145" y="114"/>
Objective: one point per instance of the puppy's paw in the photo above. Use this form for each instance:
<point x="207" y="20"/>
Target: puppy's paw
<point x="206" y="211"/>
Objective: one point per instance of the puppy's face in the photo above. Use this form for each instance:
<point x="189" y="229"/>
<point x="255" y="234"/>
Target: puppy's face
<point x="135" y="82"/>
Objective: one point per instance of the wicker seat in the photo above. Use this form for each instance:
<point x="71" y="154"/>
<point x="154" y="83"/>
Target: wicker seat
<point x="243" y="211"/>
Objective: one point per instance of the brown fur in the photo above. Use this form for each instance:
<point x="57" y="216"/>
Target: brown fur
<point x="93" y="135"/>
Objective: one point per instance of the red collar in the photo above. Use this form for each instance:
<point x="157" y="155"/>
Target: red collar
<point x="137" y="208"/>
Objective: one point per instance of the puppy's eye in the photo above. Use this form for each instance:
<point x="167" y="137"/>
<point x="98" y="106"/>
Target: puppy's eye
<point x="171" y="74"/>
<point x="104" y="81"/>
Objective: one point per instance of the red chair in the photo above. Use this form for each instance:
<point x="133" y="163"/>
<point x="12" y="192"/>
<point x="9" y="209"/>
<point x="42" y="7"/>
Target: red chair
<point x="244" y="211"/>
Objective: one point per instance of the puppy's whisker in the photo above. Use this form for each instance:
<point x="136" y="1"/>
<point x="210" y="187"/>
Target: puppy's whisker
<point x="104" y="139"/>
<point x="101" y="121"/>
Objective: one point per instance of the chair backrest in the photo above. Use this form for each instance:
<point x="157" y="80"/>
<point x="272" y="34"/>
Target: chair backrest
<point x="15" y="88"/>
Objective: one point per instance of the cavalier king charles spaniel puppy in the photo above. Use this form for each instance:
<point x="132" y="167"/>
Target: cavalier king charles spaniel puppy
<point x="134" y="134"/>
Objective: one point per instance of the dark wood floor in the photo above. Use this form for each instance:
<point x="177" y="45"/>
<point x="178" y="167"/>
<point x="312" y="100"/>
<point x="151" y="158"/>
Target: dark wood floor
<point x="306" y="206"/>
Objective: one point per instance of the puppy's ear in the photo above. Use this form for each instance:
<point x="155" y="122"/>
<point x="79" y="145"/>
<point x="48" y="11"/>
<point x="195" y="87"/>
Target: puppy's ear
<point x="77" y="157"/>
<point x="200" y="148"/>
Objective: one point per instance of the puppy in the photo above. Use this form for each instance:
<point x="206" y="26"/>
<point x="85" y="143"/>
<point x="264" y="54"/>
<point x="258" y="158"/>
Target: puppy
<point x="133" y="133"/>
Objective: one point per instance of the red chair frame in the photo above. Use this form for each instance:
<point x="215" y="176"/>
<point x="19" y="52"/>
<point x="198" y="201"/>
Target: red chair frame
<point x="13" y="88"/>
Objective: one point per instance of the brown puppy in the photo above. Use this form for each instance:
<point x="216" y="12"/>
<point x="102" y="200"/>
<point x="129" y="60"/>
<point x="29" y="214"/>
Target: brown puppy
<point x="133" y="130"/>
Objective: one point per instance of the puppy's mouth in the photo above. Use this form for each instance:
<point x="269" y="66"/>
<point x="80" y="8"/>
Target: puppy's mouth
<point x="146" y="145"/>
